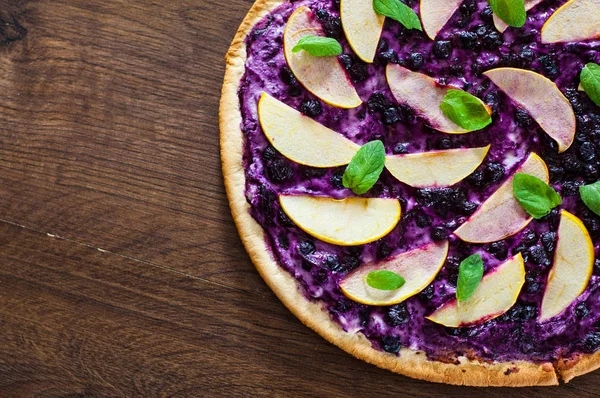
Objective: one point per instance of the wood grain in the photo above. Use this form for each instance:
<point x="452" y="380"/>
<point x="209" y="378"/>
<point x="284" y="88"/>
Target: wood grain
<point x="122" y="274"/>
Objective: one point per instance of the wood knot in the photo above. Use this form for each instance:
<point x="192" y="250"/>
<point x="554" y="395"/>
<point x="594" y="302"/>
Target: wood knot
<point x="11" y="30"/>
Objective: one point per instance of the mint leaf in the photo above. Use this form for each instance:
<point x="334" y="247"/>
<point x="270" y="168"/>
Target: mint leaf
<point x="465" y="110"/>
<point x="590" y="80"/>
<point x="399" y="12"/>
<point x="590" y="194"/>
<point x="318" y="46"/>
<point x="512" y="12"/>
<point x="534" y="195"/>
<point x="470" y="272"/>
<point x="385" y="280"/>
<point x="365" y="167"/>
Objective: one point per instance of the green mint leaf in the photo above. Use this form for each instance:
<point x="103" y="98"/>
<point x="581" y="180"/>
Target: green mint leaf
<point x="466" y="110"/>
<point x="399" y="12"/>
<point x="512" y="12"/>
<point x="385" y="280"/>
<point x="590" y="194"/>
<point x="318" y="46"/>
<point x="365" y="167"/>
<point x="534" y="195"/>
<point x="590" y="80"/>
<point x="470" y="272"/>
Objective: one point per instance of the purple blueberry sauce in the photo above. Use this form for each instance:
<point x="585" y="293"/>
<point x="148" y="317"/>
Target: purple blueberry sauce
<point x="468" y="46"/>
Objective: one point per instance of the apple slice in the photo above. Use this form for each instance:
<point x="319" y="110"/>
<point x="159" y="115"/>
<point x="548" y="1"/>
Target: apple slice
<point x="576" y="20"/>
<point x="502" y="26"/>
<point x="435" y="14"/>
<point x="436" y="168"/>
<point x="418" y="268"/>
<point x="346" y="222"/>
<point x="497" y="293"/>
<point x="501" y="216"/>
<point x="572" y="269"/>
<point x="362" y="26"/>
<point x="323" y="76"/>
<point x="300" y="138"/>
<point x="540" y="97"/>
<point x="424" y="95"/>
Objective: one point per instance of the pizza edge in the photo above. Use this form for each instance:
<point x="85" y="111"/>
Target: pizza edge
<point x="409" y="363"/>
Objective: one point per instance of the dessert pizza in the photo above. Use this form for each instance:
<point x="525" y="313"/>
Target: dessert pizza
<point x="418" y="181"/>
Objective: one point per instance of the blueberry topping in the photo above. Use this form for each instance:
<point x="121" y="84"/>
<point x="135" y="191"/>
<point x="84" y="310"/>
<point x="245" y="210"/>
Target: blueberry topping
<point x="378" y="102"/>
<point x="468" y="40"/>
<point x="311" y="108"/>
<point x="383" y="250"/>
<point x="390" y="116"/>
<point x="549" y="241"/>
<point x="390" y="344"/>
<point x="279" y="171"/>
<point x="397" y="315"/>
<point x="522" y="118"/>
<point x="428" y="293"/>
<point x="581" y="310"/>
<point x="346" y="61"/>
<point x="487" y="14"/>
<point x="498" y="249"/>
<point x="529" y="238"/>
<point x="538" y="256"/>
<point x="321" y="275"/>
<point x="336" y="180"/>
<point x="477" y="179"/>
<point x="591" y="342"/>
<point x="287" y="76"/>
<point x="571" y="188"/>
<point x="283" y="241"/>
<point x="269" y="153"/>
<point x="400" y="149"/>
<point x="416" y="61"/>
<point x="549" y="67"/>
<point x="423" y="220"/>
<point x="587" y="151"/>
<point x="439" y="234"/>
<point x="442" y="49"/>
<point x="492" y="40"/>
<point x="332" y="25"/>
<point x="283" y="219"/>
<point x="306" y="248"/>
<point x="332" y="263"/>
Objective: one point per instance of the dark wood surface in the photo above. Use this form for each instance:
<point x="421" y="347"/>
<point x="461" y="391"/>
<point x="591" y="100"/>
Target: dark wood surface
<point x="121" y="271"/>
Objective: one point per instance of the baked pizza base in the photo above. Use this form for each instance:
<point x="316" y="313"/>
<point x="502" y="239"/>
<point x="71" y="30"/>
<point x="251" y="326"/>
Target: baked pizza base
<point x="409" y="362"/>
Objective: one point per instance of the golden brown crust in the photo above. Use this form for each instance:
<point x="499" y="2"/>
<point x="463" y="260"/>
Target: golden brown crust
<point x="569" y="368"/>
<point x="409" y="363"/>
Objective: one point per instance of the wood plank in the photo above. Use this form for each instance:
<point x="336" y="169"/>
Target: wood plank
<point x="75" y="320"/>
<point x="109" y="131"/>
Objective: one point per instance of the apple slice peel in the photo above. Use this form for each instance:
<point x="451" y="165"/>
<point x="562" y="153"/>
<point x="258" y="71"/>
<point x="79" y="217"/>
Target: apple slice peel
<point x="362" y="26"/>
<point x="572" y="267"/>
<point x="501" y="215"/>
<point x="418" y="267"/>
<point x="347" y="222"/>
<point x="497" y="293"/>
<point x="423" y="94"/>
<point x="542" y="99"/>
<point x="300" y="138"/>
<point x="435" y="14"/>
<point x="322" y="76"/>
<point x="576" y="20"/>
<point x="436" y="168"/>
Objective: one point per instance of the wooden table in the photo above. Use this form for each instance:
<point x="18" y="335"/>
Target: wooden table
<point x="122" y="273"/>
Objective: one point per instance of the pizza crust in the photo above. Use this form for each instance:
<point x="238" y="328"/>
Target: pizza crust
<point x="409" y="363"/>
